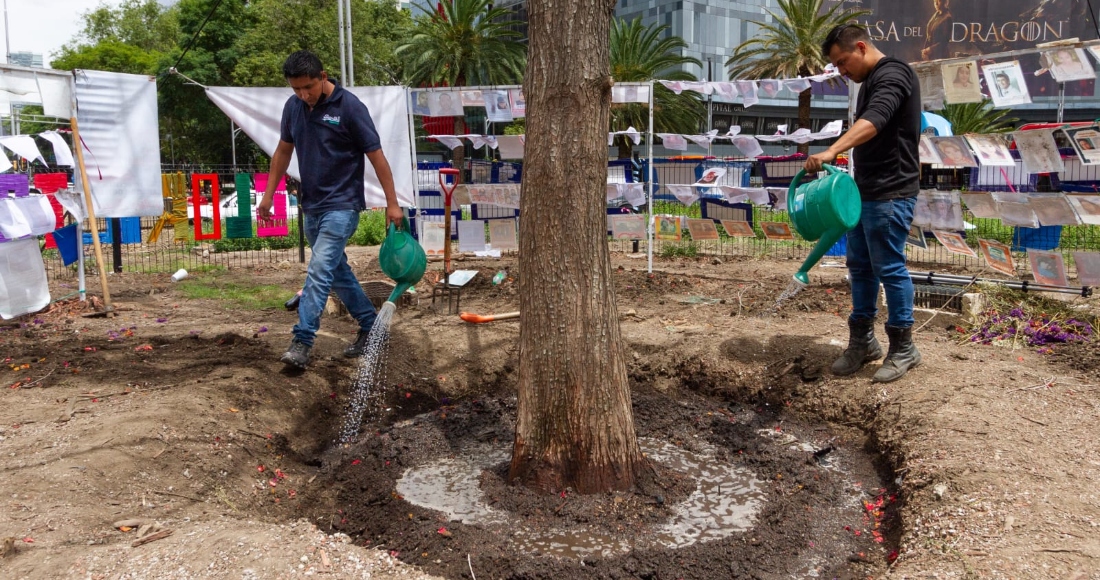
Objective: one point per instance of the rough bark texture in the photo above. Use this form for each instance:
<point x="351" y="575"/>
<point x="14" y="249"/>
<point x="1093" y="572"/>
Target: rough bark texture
<point x="575" y="427"/>
<point x="804" y="110"/>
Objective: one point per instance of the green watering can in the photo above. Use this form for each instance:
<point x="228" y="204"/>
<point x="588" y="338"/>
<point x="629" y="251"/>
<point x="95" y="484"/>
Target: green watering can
<point x="402" y="259"/>
<point x="823" y="210"/>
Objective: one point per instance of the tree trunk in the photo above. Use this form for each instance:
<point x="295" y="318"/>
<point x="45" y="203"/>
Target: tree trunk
<point x="459" y="159"/>
<point x="575" y="426"/>
<point x="804" y="116"/>
<point x="625" y="145"/>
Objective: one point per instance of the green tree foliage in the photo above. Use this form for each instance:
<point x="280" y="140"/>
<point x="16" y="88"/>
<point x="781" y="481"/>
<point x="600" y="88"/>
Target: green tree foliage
<point x="469" y="44"/>
<point x="977" y="118"/>
<point x="790" y="46"/>
<point x="129" y="38"/>
<point x="642" y="53"/>
<point x="282" y="27"/>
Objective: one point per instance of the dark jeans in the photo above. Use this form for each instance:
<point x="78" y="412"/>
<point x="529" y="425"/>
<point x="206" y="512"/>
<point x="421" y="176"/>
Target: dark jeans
<point x="328" y="233"/>
<point x="876" y="253"/>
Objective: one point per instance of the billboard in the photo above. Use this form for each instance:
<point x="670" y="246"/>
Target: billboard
<point x="920" y="30"/>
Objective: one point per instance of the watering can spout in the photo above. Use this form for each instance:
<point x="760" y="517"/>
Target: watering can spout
<point x="822" y="210"/>
<point x="823" y="245"/>
<point x="398" y="291"/>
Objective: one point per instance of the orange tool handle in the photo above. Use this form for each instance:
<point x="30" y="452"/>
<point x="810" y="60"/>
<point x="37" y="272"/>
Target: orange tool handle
<point x="480" y="318"/>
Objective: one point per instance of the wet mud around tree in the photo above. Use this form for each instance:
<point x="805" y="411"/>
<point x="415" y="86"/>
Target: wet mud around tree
<point x="178" y="411"/>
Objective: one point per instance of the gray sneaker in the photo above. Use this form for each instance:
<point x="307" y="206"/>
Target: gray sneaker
<point x="297" y="355"/>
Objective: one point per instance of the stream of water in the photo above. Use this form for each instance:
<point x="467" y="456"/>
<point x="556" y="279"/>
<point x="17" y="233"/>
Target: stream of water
<point x="368" y="394"/>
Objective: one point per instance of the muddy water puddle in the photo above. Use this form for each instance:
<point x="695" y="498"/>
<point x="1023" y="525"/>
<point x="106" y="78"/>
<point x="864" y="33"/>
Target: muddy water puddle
<point x="725" y="501"/>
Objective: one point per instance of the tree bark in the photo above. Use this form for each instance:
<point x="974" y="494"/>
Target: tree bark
<point x="575" y="426"/>
<point x="804" y="110"/>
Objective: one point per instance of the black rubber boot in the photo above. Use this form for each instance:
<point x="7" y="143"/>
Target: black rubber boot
<point x="863" y="347"/>
<point x="359" y="346"/>
<point x="903" y="355"/>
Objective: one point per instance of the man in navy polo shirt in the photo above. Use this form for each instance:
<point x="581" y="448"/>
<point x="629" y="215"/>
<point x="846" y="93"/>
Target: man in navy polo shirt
<point x="331" y="130"/>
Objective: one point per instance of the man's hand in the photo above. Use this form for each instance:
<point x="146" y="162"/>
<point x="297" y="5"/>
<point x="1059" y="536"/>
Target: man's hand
<point x="263" y="209"/>
<point x="395" y="215"/>
<point x="814" y="162"/>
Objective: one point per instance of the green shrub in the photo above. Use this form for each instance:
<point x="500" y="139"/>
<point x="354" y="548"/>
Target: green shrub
<point x="682" y="250"/>
<point x="371" y="230"/>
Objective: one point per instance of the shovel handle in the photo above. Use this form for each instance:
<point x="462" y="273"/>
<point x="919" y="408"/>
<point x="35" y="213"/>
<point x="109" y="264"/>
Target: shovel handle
<point x="480" y="318"/>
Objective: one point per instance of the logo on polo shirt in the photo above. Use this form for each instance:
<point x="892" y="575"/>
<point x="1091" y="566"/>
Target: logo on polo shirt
<point x="331" y="120"/>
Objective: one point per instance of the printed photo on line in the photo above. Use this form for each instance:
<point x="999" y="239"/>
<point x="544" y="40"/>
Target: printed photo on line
<point x="953" y="152"/>
<point x="738" y="229"/>
<point x="777" y="230"/>
<point x="667" y="227"/>
<point x="1068" y="64"/>
<point x="702" y="229"/>
<point x="1006" y="84"/>
<point x="1085" y="141"/>
<point x="954" y="243"/>
<point x="998" y="256"/>
<point x="1047" y="267"/>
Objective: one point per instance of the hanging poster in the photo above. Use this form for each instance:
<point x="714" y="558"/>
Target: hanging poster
<point x="1047" y="267"/>
<point x="1006" y="84"/>
<point x="471" y="235"/>
<point x="630" y="94"/>
<point x="627" y="227"/>
<point x="927" y="152"/>
<point x="961" y="83"/>
<point x="667" y="227"/>
<point x="497" y="107"/>
<point x="777" y="230"/>
<point x="736" y="229"/>
<point x="954" y="243"/>
<point x="432" y="237"/>
<point x="931" y="86"/>
<point x="502" y="234"/>
<point x="953" y="152"/>
<point x="673" y="142"/>
<point x="1038" y="151"/>
<point x="518" y="103"/>
<point x="1053" y="209"/>
<point x="945" y="210"/>
<point x="1088" y="268"/>
<point x="445" y="104"/>
<point x="472" y="99"/>
<point x="1087" y="208"/>
<point x="998" y="256"/>
<point x="991" y="150"/>
<point x="702" y="229"/>
<point x="1086" y="142"/>
<point x="711" y="176"/>
<point x="916" y="237"/>
<point x="1068" y="64"/>
<point x="981" y="205"/>
<point x="420" y="103"/>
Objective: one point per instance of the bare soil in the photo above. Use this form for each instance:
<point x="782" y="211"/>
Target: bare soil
<point x="981" y="463"/>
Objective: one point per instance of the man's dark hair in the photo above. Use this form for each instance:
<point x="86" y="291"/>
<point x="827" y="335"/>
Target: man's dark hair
<point x="845" y="36"/>
<point x="302" y="64"/>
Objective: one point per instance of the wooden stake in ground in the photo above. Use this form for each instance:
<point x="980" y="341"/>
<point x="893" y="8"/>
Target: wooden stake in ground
<point x="575" y="427"/>
<point x="92" y="226"/>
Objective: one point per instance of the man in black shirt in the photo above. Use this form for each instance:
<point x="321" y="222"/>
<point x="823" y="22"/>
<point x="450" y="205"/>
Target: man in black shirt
<point x="885" y="161"/>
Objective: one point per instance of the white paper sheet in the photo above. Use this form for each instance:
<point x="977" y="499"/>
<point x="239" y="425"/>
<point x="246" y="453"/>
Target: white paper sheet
<point x="471" y="236"/>
<point x="61" y="151"/>
<point x="23" y="285"/>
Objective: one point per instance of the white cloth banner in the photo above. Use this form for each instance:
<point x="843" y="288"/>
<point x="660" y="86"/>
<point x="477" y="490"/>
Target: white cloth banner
<point x="674" y="86"/>
<point x="23" y="285"/>
<point x="796" y="85"/>
<point x="23" y="146"/>
<point x="724" y="90"/>
<point x="673" y="141"/>
<point x="258" y="112"/>
<point x="52" y="89"/>
<point x="61" y="151"/>
<point x="511" y="146"/>
<point x="450" y="141"/>
<point x="748" y="92"/>
<point x="748" y="145"/>
<point x="5" y="164"/>
<point x="685" y="193"/>
<point x="118" y="126"/>
<point x="26" y="216"/>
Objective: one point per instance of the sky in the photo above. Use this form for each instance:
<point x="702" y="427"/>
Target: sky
<point x="42" y="26"/>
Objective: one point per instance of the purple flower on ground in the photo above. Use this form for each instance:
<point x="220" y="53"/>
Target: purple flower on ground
<point x="162" y="320"/>
<point x="263" y="329"/>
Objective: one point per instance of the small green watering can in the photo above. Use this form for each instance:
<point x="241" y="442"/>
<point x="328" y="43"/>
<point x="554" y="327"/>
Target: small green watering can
<point x="823" y="210"/>
<point x="402" y="259"/>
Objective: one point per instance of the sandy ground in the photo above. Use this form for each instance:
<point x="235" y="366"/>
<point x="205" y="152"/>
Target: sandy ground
<point x="177" y="414"/>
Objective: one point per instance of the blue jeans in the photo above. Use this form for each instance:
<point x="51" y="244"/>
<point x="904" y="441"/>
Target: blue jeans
<point x="328" y="234"/>
<point x="876" y="253"/>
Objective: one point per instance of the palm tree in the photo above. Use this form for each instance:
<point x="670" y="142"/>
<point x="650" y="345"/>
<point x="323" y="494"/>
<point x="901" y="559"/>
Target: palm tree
<point x="980" y="117"/>
<point x="465" y="43"/>
<point x="790" y="46"/>
<point x="638" y="53"/>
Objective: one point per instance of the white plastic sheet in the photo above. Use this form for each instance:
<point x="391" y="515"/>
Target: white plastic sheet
<point x="23" y="146"/>
<point x="258" y="112"/>
<point x="61" y="151"/>
<point x="52" y="89"/>
<point x="23" y="285"/>
<point x="117" y="115"/>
